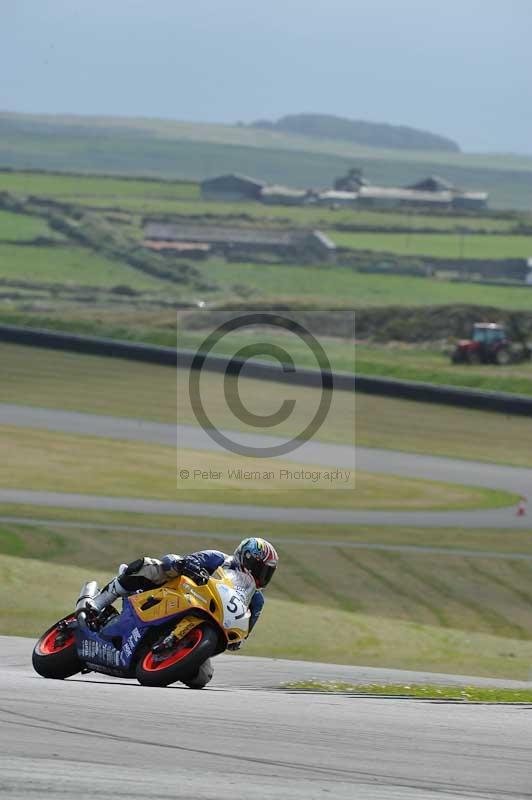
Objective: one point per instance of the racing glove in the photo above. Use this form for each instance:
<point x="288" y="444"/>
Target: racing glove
<point x="189" y="566"/>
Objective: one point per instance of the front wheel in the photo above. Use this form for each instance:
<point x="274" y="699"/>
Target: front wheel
<point x="202" y="677"/>
<point x="55" y="654"/>
<point x="181" y="662"/>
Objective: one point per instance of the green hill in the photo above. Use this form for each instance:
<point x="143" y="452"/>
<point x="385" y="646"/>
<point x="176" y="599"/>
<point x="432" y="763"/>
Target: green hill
<point x="372" y="134"/>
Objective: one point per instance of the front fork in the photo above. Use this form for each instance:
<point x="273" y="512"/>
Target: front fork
<point x="183" y="627"/>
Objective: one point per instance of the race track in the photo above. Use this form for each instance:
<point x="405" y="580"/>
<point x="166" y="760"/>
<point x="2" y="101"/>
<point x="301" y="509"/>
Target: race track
<point x="469" y="473"/>
<point x="96" y="737"/>
<point x="93" y="736"/>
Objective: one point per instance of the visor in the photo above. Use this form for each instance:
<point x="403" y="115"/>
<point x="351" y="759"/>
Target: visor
<point x="262" y="574"/>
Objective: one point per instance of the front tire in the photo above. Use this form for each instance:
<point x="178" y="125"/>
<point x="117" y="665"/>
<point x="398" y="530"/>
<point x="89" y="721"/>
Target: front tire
<point x="183" y="661"/>
<point x="202" y="677"/>
<point x="55" y="655"/>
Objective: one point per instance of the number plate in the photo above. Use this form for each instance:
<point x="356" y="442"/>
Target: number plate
<point x="236" y="613"/>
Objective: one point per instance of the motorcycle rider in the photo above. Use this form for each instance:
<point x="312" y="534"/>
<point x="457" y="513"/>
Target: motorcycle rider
<point x="255" y="559"/>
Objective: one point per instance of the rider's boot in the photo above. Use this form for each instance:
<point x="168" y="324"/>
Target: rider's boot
<point x="95" y="606"/>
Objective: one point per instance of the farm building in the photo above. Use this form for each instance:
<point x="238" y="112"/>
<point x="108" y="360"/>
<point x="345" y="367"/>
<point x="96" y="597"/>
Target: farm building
<point x="242" y="242"/>
<point x="188" y="249"/>
<point x="460" y="197"/>
<point x="432" y="184"/>
<point x="390" y="197"/>
<point x="349" y="190"/>
<point x="231" y="187"/>
<point x="431" y="192"/>
<point x="283" y="196"/>
<point x="335" y="197"/>
<point x="470" y="200"/>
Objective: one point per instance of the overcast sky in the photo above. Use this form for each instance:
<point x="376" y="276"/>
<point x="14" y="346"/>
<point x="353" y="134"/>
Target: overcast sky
<point x="461" y="68"/>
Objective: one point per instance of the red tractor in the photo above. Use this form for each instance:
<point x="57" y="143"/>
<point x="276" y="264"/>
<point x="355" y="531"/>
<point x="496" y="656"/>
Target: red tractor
<point x="491" y="344"/>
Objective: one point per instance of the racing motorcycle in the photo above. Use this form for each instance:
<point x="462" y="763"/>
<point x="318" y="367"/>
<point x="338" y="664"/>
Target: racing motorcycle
<point x="162" y="635"/>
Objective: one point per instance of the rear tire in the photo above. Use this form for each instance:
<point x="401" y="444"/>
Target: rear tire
<point x="56" y="661"/>
<point x="182" y="662"/>
<point x="503" y="357"/>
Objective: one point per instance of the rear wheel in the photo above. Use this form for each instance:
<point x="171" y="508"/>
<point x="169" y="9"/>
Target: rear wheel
<point x="55" y="654"/>
<point x="503" y="357"/>
<point x="180" y="662"/>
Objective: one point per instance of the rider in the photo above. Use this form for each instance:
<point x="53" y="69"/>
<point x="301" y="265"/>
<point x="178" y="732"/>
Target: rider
<point x="255" y="558"/>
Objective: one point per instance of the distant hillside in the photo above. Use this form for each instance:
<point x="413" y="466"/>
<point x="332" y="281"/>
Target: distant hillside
<point x="373" y="134"/>
<point x="186" y="150"/>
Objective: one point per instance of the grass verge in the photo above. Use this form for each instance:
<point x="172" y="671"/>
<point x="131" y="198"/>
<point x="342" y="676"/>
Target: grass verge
<point x="287" y="629"/>
<point x="49" y="461"/>
<point x="471" y="694"/>
<point x="99" y="385"/>
<point x="446" y="592"/>
<point x="506" y="542"/>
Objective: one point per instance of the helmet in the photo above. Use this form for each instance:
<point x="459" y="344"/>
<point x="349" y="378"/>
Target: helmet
<point x="259" y="558"/>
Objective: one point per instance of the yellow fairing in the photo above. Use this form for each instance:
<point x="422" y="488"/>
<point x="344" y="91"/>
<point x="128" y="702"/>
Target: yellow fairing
<point x="182" y="594"/>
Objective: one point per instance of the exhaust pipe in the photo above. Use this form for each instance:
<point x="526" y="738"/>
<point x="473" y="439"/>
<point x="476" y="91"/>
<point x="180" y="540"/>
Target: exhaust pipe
<point x="88" y="591"/>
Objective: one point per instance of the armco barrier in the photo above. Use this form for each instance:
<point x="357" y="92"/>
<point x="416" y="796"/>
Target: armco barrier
<point x="387" y="387"/>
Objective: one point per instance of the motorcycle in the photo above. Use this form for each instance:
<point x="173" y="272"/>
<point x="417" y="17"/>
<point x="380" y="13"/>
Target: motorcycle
<point x="162" y="635"/>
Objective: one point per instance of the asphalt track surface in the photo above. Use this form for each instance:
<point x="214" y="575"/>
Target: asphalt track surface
<point x="469" y="473"/>
<point x="94" y="736"/>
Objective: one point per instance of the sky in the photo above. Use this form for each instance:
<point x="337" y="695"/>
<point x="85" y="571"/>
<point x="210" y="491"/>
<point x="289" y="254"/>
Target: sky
<point x="460" y="68"/>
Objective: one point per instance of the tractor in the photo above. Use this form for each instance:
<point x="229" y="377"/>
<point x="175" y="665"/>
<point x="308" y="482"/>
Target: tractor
<point x="490" y="343"/>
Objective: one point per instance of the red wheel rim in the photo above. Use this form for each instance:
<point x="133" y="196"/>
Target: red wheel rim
<point x="49" y="646"/>
<point x="151" y="663"/>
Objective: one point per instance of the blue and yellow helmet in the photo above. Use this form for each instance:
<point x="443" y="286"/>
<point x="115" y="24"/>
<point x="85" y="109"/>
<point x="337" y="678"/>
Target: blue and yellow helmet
<point x="259" y="558"/>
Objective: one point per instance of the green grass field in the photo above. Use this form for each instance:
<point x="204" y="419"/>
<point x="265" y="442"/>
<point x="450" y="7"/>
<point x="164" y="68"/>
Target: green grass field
<point x="326" y="285"/>
<point x="457" y="246"/>
<point x="68" y="266"/>
<point x="22" y="228"/>
<point x="342" y="286"/>
<point x="86" y="188"/>
<point x="71" y="266"/>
